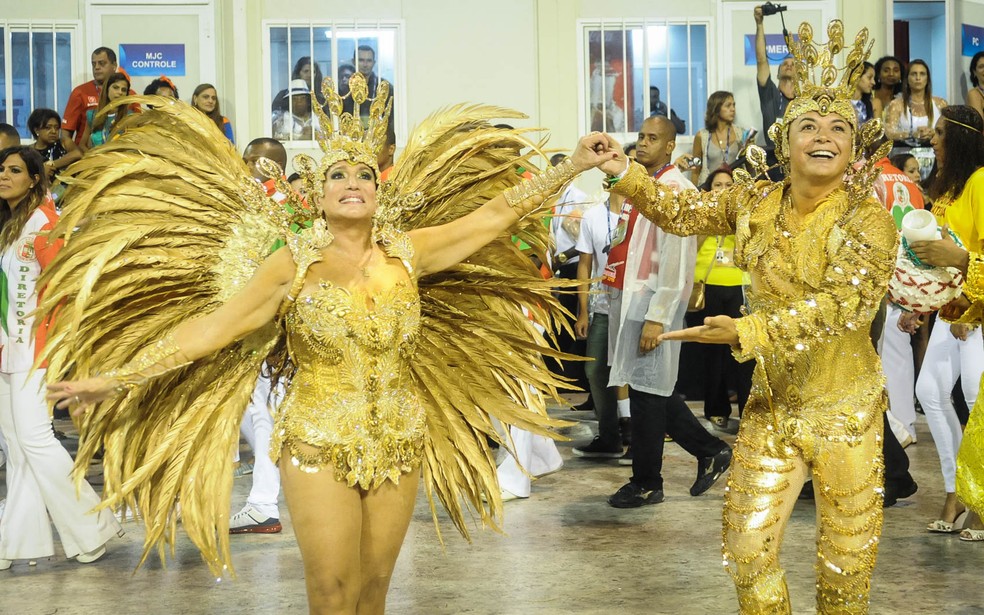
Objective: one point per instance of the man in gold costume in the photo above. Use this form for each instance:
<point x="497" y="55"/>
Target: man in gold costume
<point x="820" y="251"/>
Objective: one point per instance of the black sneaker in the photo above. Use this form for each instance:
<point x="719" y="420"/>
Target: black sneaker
<point x="596" y="449"/>
<point x="709" y="469"/>
<point x="626" y="459"/>
<point x="631" y="495"/>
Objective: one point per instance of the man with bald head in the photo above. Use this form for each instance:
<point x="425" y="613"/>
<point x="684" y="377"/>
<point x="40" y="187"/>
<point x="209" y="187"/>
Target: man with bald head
<point x="651" y="275"/>
<point x="264" y="147"/>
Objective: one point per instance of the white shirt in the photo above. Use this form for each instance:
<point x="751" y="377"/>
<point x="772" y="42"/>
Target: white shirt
<point x="598" y="226"/>
<point x="659" y="277"/>
<point x="571" y="203"/>
<point x="20" y="271"/>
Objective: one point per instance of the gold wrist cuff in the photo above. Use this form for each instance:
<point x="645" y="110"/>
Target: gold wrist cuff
<point x="545" y="184"/>
<point x="164" y="356"/>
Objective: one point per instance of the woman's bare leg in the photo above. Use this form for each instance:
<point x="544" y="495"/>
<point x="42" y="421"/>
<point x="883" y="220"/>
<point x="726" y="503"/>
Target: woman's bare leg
<point x="386" y="513"/>
<point x="327" y="518"/>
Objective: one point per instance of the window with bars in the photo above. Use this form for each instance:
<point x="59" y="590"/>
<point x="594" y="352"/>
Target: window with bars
<point x="633" y="70"/>
<point x="302" y="56"/>
<point x="35" y="69"/>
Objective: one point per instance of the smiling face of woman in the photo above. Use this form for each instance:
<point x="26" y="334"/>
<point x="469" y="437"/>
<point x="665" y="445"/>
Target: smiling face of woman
<point x="349" y="192"/>
<point x="820" y="146"/>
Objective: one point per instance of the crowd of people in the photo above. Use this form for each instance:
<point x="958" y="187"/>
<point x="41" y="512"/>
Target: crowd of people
<point x="694" y="278"/>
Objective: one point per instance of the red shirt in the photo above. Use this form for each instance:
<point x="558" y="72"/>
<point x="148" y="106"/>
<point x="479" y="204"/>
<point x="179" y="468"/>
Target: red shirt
<point x="614" y="275"/>
<point x="83" y="98"/>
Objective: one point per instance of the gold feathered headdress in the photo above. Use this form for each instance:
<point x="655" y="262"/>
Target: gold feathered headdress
<point x="823" y="87"/>
<point x="342" y="135"/>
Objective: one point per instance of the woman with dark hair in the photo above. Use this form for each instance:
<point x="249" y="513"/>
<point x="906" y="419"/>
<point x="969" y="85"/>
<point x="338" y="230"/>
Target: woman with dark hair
<point x="720" y="141"/>
<point x="909" y="119"/>
<point x="724" y="295"/>
<point x="162" y="86"/>
<point x="39" y="469"/>
<point x="888" y="79"/>
<point x="310" y="72"/>
<point x="867" y="106"/>
<point x="975" y="96"/>
<point x="58" y="150"/>
<point x="956" y="350"/>
<point x="206" y="99"/>
<point x="101" y="121"/>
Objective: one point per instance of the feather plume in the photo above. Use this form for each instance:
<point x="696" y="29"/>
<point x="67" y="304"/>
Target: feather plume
<point x="153" y="221"/>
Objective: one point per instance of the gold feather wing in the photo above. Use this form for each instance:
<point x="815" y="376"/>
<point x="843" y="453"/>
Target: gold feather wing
<point x="479" y="357"/>
<point x="161" y="224"/>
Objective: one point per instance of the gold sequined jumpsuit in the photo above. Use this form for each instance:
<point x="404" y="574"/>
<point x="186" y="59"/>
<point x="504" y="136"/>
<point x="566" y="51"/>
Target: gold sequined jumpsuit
<point x="818" y="390"/>
<point x="351" y="403"/>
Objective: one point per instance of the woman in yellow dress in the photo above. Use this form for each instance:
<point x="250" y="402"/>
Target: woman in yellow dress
<point x="959" y="192"/>
<point x="384" y="381"/>
<point x="819" y="250"/>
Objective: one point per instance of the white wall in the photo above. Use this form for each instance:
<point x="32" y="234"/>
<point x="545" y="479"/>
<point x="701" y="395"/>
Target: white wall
<point x="520" y="54"/>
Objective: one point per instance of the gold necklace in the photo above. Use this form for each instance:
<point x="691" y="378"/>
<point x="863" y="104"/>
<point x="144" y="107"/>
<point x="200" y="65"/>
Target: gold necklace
<point x="363" y="264"/>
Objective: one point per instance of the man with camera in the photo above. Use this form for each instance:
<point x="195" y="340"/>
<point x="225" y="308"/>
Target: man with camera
<point x="772" y="98"/>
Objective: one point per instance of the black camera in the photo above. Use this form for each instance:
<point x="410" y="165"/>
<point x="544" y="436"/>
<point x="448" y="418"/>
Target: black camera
<point x="771" y="9"/>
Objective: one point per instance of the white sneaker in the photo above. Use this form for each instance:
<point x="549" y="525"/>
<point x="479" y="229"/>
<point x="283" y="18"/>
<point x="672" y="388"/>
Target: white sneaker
<point x="251" y="521"/>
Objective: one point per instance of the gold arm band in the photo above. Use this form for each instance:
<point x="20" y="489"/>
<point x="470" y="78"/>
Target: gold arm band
<point x="156" y="360"/>
<point x="545" y="184"/>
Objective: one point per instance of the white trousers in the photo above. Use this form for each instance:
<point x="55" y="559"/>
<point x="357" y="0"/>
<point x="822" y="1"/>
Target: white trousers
<point x="948" y="358"/>
<point x="900" y="370"/>
<point x="39" y="482"/>
<point x="538" y="454"/>
<point x="257" y="428"/>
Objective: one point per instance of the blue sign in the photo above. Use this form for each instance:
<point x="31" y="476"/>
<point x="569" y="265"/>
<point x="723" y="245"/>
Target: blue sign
<point x="153" y="60"/>
<point x="775" y="49"/>
<point x="973" y="40"/>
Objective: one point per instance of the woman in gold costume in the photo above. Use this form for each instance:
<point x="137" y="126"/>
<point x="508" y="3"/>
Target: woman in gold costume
<point x="958" y="189"/>
<point x="396" y="352"/>
<point x="820" y="251"/>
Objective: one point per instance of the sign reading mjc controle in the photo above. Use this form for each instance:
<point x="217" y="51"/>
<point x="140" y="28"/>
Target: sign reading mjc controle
<point x="153" y="60"/>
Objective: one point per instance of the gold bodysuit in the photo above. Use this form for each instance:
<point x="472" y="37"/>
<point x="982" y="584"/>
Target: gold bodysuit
<point x="818" y="389"/>
<point x="351" y="403"/>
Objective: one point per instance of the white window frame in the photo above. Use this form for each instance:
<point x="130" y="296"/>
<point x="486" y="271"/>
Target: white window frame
<point x="55" y="26"/>
<point x="584" y="26"/>
<point x="399" y="69"/>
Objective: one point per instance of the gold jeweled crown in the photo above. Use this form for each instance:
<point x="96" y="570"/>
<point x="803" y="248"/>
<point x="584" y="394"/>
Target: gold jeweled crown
<point x="818" y="88"/>
<point x="342" y="135"/>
